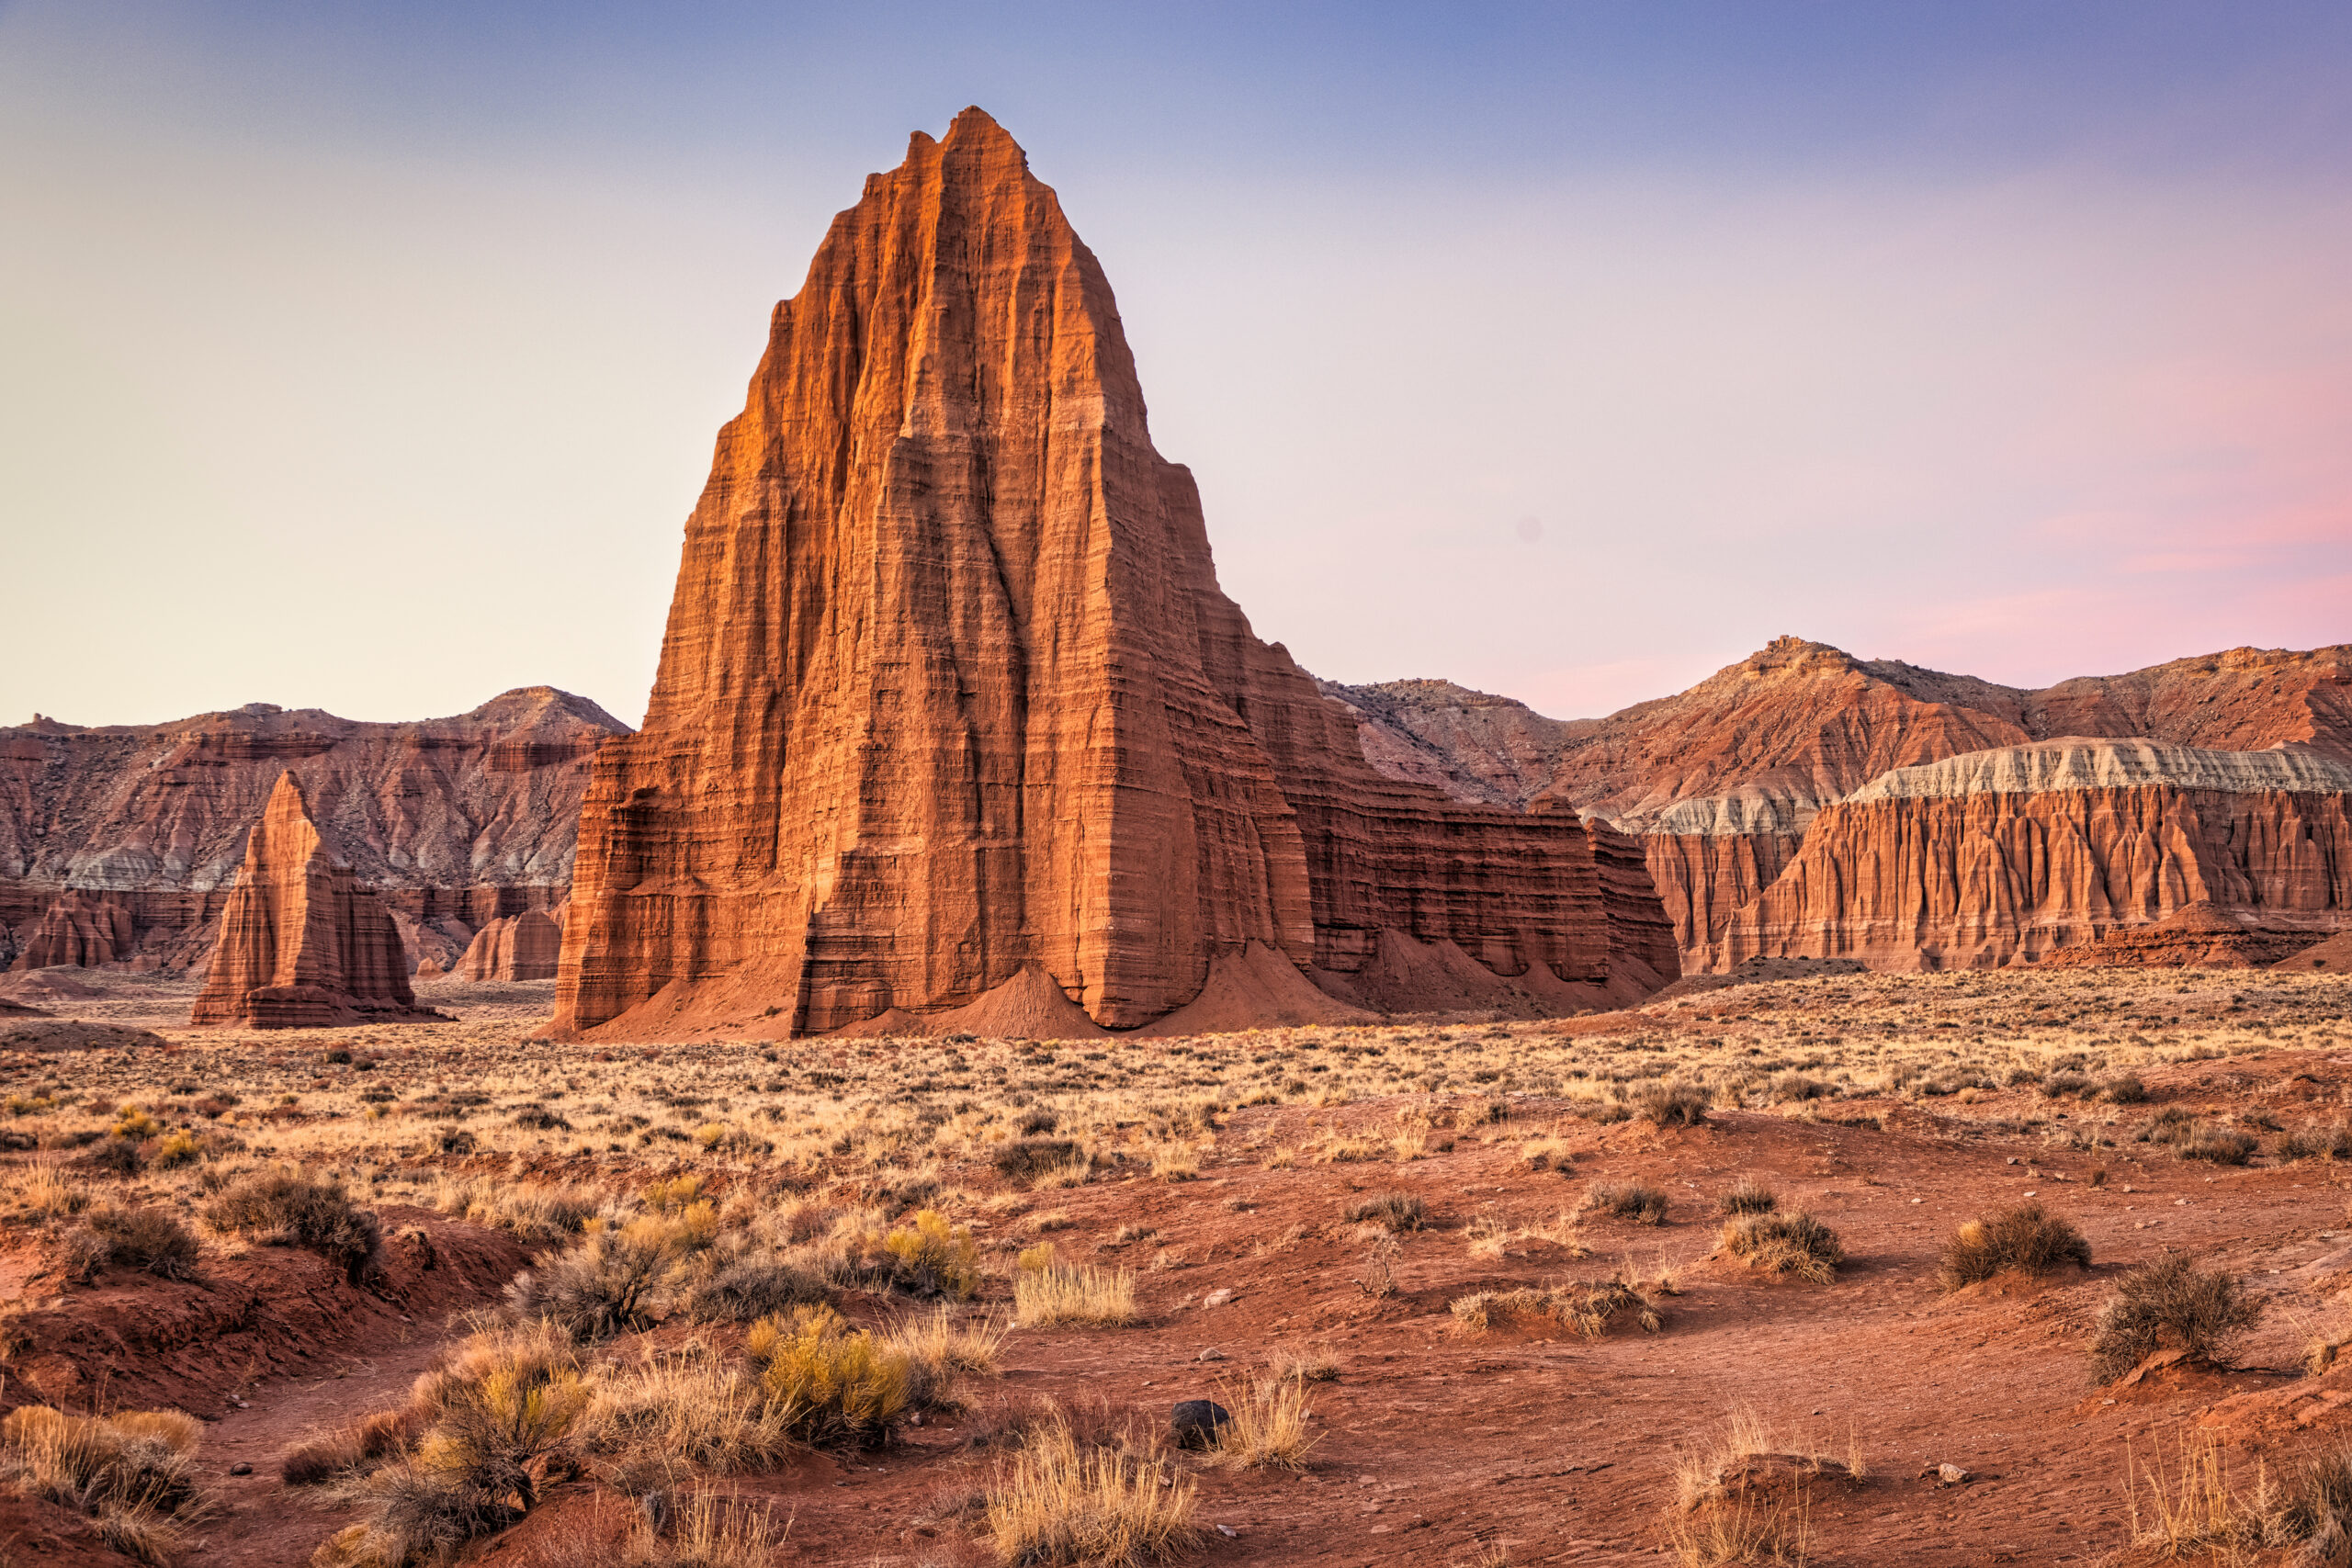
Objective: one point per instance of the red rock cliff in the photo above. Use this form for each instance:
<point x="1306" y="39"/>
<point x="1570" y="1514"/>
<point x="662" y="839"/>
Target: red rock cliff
<point x="2014" y="854"/>
<point x="949" y="690"/>
<point x="303" y="944"/>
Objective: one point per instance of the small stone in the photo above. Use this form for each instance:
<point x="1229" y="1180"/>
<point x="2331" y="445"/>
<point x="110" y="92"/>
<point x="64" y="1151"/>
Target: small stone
<point x="1951" y="1475"/>
<point x="1211" y="1353"/>
<point x="1216" y="1298"/>
<point x="241" y="1468"/>
<point x="1227" y="1532"/>
<point x="241" y="1404"/>
<point x="1196" y="1422"/>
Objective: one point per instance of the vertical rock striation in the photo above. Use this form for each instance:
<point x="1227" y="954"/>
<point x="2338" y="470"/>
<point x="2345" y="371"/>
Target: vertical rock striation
<point x="303" y="945"/>
<point x="949" y="690"/>
<point x="2015" y="853"/>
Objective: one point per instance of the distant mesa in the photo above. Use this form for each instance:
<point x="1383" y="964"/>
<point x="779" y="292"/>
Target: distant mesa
<point x="951" y="713"/>
<point x="1805" y="803"/>
<point x="303" y="945"/>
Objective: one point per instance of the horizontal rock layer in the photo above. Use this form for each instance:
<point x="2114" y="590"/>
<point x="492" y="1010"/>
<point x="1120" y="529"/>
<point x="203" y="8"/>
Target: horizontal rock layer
<point x="1934" y="881"/>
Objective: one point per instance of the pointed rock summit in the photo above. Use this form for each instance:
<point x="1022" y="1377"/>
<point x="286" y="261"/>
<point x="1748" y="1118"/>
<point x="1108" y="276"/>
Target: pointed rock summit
<point x="949" y="694"/>
<point x="303" y="945"/>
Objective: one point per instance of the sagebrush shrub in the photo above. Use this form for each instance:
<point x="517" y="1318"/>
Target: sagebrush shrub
<point x="288" y="1207"/>
<point x="2026" y="1238"/>
<point x="1673" y="1105"/>
<point x="2170" y="1303"/>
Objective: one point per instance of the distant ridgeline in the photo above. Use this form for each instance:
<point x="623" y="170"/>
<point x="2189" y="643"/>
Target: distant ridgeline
<point x="1805" y="803"/>
<point x="120" y="845"/>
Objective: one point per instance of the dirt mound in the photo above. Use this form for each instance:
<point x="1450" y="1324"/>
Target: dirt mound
<point x="2334" y="955"/>
<point x="188" y="1344"/>
<point x="1030" y="1006"/>
<point x="1260" y="989"/>
<point x="46" y="987"/>
<point x="74" y="1034"/>
<point x="1756" y="970"/>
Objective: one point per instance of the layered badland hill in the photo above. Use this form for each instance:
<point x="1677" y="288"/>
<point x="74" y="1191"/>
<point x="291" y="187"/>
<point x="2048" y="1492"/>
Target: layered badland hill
<point x="950" y="705"/>
<point x="119" y="844"/>
<point x="303" y="944"/>
<point x="1731" y="784"/>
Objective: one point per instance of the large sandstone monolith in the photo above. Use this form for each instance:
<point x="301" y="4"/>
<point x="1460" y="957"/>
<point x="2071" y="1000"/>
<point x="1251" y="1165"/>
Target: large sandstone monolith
<point x="303" y="945"/>
<point x="950" y="695"/>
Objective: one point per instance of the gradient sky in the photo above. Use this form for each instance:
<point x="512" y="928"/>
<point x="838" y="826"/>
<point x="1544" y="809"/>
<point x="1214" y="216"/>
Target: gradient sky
<point x="368" y="356"/>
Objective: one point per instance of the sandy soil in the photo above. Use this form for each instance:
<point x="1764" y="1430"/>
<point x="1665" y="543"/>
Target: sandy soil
<point x="1434" y="1445"/>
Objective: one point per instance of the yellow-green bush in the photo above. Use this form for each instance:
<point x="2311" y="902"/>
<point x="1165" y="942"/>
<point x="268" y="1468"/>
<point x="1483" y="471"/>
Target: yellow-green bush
<point x="831" y="1381"/>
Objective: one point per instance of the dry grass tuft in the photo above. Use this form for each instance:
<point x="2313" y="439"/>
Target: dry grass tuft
<point x="1747" y="1196"/>
<point x="133" y="1473"/>
<point x="1065" y="1504"/>
<point x="2026" y="1239"/>
<point x="1635" y="1200"/>
<point x="1784" y="1243"/>
<point x="1055" y="1293"/>
<point x="1394" y="1212"/>
<point x="1268" y="1425"/>
<point x="1589" y="1306"/>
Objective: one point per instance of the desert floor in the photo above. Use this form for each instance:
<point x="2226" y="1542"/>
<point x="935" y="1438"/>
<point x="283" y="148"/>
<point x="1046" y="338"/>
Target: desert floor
<point x="1255" y="1194"/>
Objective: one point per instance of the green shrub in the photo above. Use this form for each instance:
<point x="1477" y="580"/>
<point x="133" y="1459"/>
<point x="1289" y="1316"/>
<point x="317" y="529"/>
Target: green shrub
<point x="833" y="1384"/>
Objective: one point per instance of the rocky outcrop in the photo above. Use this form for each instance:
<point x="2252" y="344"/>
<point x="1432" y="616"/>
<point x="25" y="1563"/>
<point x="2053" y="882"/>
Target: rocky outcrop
<point x="2201" y="936"/>
<point x="118" y="845"/>
<point x="949" y="694"/>
<point x="1920" y="870"/>
<point x="1479" y="748"/>
<point x="1721" y="781"/>
<point x="303" y="944"/>
<point x="516" y="947"/>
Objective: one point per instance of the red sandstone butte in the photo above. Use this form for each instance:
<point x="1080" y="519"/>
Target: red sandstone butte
<point x="949" y="694"/>
<point x="514" y="947"/>
<point x="303" y="945"/>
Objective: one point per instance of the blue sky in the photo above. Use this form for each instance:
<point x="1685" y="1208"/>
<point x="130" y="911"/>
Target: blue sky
<point x="368" y="356"/>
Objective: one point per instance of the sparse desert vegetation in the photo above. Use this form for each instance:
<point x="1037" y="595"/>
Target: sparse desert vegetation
<point x="972" y="1277"/>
